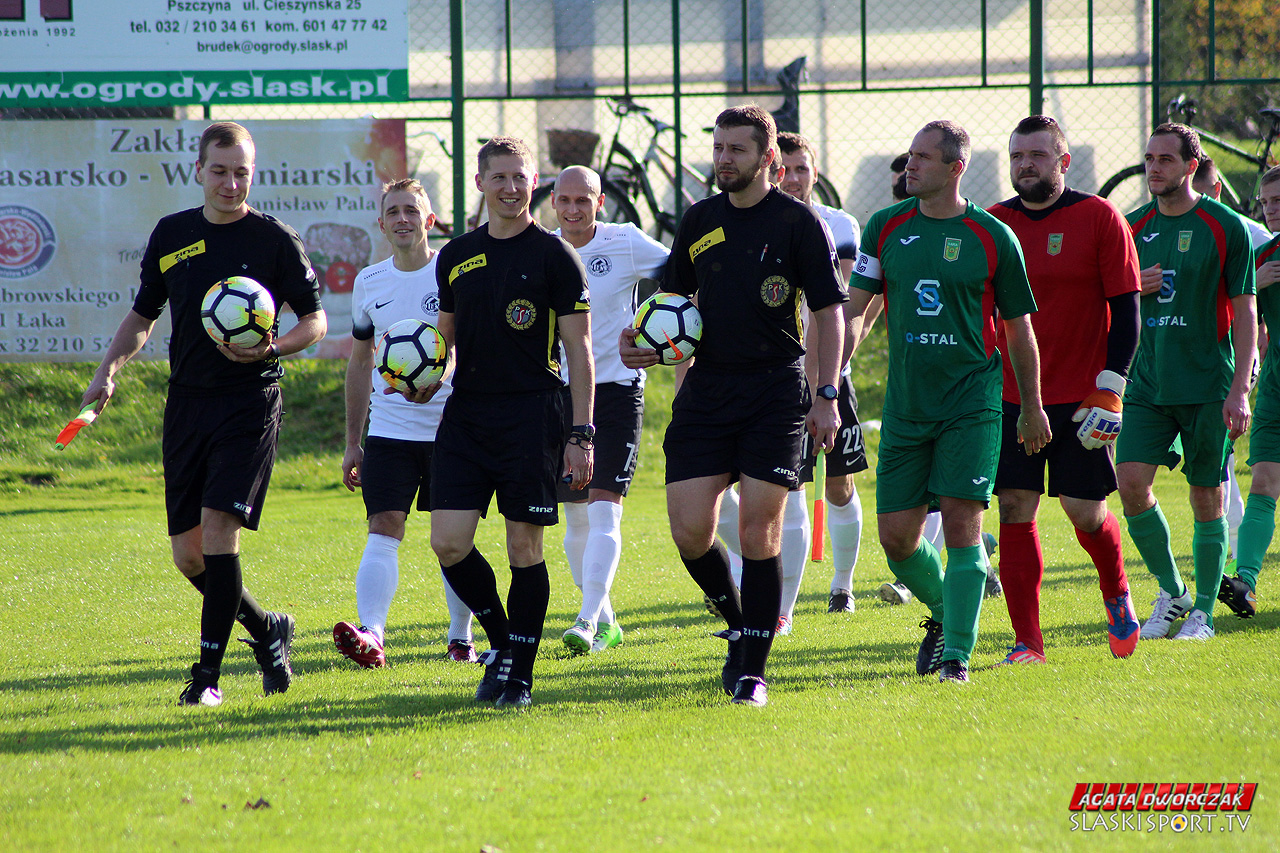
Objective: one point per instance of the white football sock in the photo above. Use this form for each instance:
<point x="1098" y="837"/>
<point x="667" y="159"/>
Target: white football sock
<point x="796" y="538"/>
<point x="845" y="526"/>
<point x="376" y="581"/>
<point x="459" y="614"/>
<point x="600" y="561"/>
<point x="727" y="527"/>
<point x="1234" y="505"/>
<point x="933" y="531"/>
<point x="577" y="526"/>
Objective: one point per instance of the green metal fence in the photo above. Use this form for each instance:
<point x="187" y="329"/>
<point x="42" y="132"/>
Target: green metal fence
<point x="877" y="71"/>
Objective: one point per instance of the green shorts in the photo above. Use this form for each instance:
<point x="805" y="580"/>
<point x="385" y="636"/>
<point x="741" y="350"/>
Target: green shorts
<point x="1264" y="436"/>
<point x="1149" y="431"/>
<point x="921" y="461"/>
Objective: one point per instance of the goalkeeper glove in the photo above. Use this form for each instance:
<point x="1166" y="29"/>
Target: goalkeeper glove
<point x="1099" y="414"/>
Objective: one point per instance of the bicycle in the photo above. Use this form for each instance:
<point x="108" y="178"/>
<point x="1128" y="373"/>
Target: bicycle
<point x="625" y="177"/>
<point x="1128" y="187"/>
<point x="443" y="227"/>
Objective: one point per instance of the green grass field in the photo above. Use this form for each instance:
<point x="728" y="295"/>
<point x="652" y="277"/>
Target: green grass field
<point x="634" y="749"/>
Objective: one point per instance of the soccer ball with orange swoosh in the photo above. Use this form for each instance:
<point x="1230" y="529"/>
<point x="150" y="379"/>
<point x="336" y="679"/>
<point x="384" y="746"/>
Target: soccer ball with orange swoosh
<point x="671" y="325"/>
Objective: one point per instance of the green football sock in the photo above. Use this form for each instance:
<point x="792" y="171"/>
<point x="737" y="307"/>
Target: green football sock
<point x="1209" y="548"/>
<point x="922" y="574"/>
<point x="1256" y="530"/>
<point x="962" y="589"/>
<point x="1150" y="532"/>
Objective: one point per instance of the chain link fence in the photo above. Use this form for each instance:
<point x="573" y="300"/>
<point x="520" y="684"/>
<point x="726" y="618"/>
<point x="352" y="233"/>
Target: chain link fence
<point x="875" y="71"/>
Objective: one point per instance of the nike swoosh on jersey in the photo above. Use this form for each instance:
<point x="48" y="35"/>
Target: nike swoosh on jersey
<point x="1147" y="238"/>
<point x="383" y="304"/>
<point x="908" y="240"/>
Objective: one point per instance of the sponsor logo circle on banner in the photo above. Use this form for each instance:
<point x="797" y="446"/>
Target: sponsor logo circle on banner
<point x="27" y="241"/>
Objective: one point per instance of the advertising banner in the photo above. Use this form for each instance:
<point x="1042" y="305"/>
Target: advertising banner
<point x="165" y="52"/>
<point x="79" y="199"/>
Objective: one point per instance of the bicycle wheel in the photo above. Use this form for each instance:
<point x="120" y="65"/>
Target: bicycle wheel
<point x="1127" y="189"/>
<point x="825" y="192"/>
<point x="617" y="207"/>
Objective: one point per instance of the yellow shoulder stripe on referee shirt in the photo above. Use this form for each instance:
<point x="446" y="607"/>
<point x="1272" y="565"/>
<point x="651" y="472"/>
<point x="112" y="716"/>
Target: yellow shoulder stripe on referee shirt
<point x="467" y="266"/>
<point x="716" y="236"/>
<point x="167" y="262"/>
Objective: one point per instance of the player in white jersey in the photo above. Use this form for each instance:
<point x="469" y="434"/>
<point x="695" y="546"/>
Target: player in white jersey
<point x="616" y="257"/>
<point x="395" y="462"/>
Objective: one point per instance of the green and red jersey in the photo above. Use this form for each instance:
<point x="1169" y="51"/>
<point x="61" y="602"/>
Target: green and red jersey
<point x="943" y="280"/>
<point x="1079" y="253"/>
<point x="1184" y="351"/>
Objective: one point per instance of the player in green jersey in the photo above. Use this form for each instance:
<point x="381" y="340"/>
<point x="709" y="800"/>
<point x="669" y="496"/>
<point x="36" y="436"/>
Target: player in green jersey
<point x="1190" y="378"/>
<point x="1259" y="522"/>
<point x="945" y="266"/>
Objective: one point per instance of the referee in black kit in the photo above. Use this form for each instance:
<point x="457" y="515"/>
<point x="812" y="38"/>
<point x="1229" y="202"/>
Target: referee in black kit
<point x="222" y="417"/>
<point x="748" y="256"/>
<point x="509" y="292"/>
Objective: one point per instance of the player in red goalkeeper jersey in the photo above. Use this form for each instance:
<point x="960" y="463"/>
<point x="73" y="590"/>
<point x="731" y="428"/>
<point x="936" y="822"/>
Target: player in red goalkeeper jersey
<point x="1083" y="268"/>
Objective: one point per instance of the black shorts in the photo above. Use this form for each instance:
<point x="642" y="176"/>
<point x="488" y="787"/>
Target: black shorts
<point x="394" y="470"/>
<point x="218" y="452"/>
<point x="738" y="424"/>
<point x="849" y="456"/>
<point x="619" y="417"/>
<point x="1074" y="471"/>
<point x="511" y="444"/>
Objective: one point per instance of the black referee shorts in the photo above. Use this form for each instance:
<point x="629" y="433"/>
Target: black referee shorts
<point x="619" y="417"/>
<point x="1074" y="471"/>
<point x="393" y="472"/>
<point x="508" y="444"/>
<point x="218" y="452"/>
<point x="738" y="424"/>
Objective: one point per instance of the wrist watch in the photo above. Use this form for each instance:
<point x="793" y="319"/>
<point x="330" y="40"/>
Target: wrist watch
<point x="587" y="431"/>
<point x="828" y="392"/>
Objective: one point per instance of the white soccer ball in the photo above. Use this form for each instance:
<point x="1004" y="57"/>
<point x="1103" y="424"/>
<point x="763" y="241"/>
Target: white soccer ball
<point x="670" y="324"/>
<point x="411" y="355"/>
<point x="239" y="311"/>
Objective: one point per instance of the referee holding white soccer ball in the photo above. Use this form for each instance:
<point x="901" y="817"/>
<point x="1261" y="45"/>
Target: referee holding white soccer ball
<point x="509" y="292"/>
<point x="222" y="418"/>
<point x="749" y="256"/>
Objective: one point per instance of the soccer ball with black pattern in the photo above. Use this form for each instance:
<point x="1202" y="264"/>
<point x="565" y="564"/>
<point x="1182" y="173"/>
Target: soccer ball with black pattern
<point x="670" y="324"/>
<point x="239" y="311"/>
<point x="410" y="355"/>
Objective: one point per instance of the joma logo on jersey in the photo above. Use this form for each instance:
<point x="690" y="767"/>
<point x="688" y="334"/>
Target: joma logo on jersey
<point x="951" y="249"/>
<point x="716" y="236"/>
<point x="521" y="314"/>
<point x="467" y="266"/>
<point x="1184" y="241"/>
<point x="775" y="291"/>
<point x="168" y="261"/>
<point x="1055" y="244"/>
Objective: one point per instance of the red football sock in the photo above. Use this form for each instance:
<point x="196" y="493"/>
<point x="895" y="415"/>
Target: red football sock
<point x="1103" y="547"/>
<point x="1021" y="570"/>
